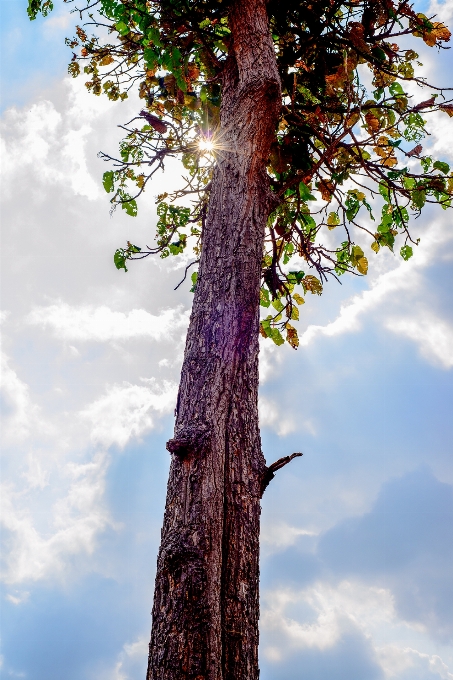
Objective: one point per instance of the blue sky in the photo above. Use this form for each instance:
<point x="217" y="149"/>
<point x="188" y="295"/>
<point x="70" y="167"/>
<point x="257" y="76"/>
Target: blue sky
<point x="356" y="536"/>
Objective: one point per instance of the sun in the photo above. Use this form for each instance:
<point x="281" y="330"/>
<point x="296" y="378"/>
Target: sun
<point x="206" y="145"/>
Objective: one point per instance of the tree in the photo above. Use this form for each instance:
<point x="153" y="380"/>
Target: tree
<point x="290" y="120"/>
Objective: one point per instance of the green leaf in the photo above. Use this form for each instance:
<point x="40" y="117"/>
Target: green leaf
<point x="194" y="279"/>
<point x="120" y="258"/>
<point x="130" y="207"/>
<point x="387" y="239"/>
<point x="122" y="28"/>
<point x="443" y="167"/>
<point x="352" y="207"/>
<point x="108" y="181"/>
<point x="294" y="313"/>
<point x="356" y="254"/>
<point x="418" y="198"/>
<point x="384" y="191"/>
<point x="266" y="326"/>
<point x="264" y="297"/>
<point x="296" y="277"/>
<point x="406" y="252"/>
<point x="408" y="182"/>
<point x="277" y="304"/>
<point x="395" y="89"/>
<point x="305" y="193"/>
<point x="425" y="162"/>
<point x="277" y="336"/>
<point x="36" y="6"/>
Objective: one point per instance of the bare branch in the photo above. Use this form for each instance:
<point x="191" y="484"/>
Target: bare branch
<point x="270" y="471"/>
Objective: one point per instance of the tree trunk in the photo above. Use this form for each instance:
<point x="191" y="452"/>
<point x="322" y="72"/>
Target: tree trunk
<point x="206" y="606"/>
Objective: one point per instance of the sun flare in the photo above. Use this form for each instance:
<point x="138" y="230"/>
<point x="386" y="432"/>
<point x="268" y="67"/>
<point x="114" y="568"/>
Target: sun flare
<point x="206" y="145"/>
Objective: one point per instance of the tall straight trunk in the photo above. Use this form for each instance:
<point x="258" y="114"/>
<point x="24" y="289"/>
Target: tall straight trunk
<point x="206" y="604"/>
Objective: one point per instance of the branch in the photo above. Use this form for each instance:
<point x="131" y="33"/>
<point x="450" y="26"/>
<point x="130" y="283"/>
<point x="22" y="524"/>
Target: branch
<point x="185" y="273"/>
<point x="270" y="471"/>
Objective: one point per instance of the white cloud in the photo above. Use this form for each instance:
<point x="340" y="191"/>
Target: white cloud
<point x="102" y="324"/>
<point x="128" y="411"/>
<point x="78" y="517"/>
<point x="131" y="655"/>
<point x="318" y="616"/>
<point x="393" y="292"/>
<point x="270" y="416"/>
<point x="53" y="504"/>
<point x="395" y="660"/>
<point x="271" y="358"/>
<point x="280" y="535"/>
<point x="19" y="597"/>
<point x="433" y="336"/>
<point x="19" y="414"/>
<point x="331" y="608"/>
<point x="283" y="423"/>
<point x="51" y="143"/>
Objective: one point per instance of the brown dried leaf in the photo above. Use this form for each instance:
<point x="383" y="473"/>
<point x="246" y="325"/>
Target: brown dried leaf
<point x="155" y="122"/>
<point x="372" y="122"/>
<point x="416" y="151"/>
<point x="326" y="188"/>
<point x="447" y="108"/>
<point x="425" y="105"/>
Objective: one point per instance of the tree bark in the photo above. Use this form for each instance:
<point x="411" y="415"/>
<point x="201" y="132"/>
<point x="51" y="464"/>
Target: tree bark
<point x="206" y="604"/>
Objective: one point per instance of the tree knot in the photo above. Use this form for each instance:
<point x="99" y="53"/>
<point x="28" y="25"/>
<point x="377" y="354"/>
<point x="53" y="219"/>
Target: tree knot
<point x="190" y="439"/>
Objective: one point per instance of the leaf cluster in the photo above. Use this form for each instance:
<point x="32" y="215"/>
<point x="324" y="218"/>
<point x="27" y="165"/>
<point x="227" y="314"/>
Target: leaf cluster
<point x="348" y="145"/>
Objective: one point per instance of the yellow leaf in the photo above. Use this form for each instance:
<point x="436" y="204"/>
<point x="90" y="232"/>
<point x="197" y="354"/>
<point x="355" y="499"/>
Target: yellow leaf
<point x="375" y="246"/>
<point x="312" y="284"/>
<point x="438" y="32"/>
<point x="358" y="194"/>
<point x="105" y="61"/>
<point x="356" y="254"/>
<point x="362" y="265"/>
<point x="294" y="313"/>
<point x="333" y="220"/>
<point x="291" y="336"/>
<point x="390" y="162"/>
<point x="299" y="299"/>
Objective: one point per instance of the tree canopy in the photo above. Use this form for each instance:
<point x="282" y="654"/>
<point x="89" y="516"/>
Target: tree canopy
<point x="350" y="129"/>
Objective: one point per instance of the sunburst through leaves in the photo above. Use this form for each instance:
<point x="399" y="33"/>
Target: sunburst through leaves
<point x="348" y="165"/>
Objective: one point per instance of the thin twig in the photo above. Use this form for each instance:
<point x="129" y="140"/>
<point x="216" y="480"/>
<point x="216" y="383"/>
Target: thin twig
<point x="185" y="273"/>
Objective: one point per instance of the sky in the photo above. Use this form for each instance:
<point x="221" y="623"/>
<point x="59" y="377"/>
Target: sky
<point x="356" y="545"/>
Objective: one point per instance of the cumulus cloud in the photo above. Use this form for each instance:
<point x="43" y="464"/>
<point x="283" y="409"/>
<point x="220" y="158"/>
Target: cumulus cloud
<point x="326" y="607"/>
<point x="434" y="336"/>
<point x="78" y="517"/>
<point x="19" y="414"/>
<point x="280" y="535"/>
<point x="101" y="324"/>
<point x="382" y="576"/>
<point x="127" y="411"/>
<point x="53" y="495"/>
<point x="271" y="416"/>
<point x="406" y="663"/>
<point x="394" y="291"/>
<point x="303" y="629"/>
<point x="38" y="137"/>
<point x="131" y="662"/>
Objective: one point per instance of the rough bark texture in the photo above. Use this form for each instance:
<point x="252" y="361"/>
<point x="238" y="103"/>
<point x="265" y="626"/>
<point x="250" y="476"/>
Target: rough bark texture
<point x="206" y="606"/>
